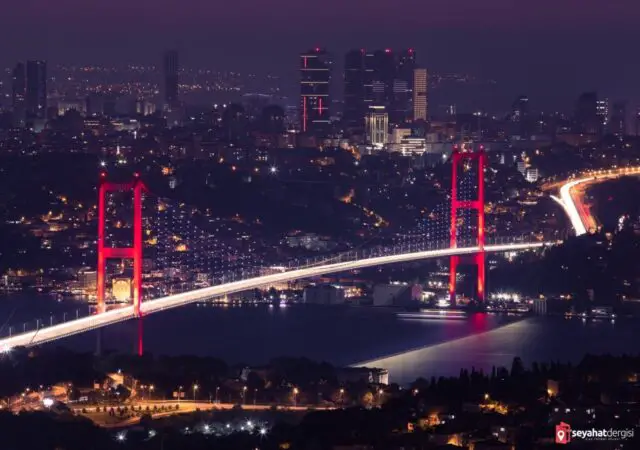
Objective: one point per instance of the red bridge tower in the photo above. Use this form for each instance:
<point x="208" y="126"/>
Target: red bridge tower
<point x="458" y="158"/>
<point x="135" y="253"/>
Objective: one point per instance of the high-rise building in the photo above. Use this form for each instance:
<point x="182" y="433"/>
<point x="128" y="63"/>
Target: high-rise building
<point x="315" y="81"/>
<point x="355" y="80"/>
<point x="602" y="109"/>
<point x="171" y="78"/>
<point x="586" y="117"/>
<point x="638" y="121"/>
<point x="402" y="88"/>
<point x="379" y="78"/>
<point x="521" y="115"/>
<point x="420" y="99"/>
<point x="377" y="127"/>
<point x="19" y="92"/>
<point x="382" y="69"/>
<point x="618" y="123"/>
<point x="36" y="90"/>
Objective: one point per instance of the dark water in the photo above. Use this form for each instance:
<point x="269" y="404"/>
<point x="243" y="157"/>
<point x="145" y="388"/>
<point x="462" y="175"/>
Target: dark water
<point x="346" y="335"/>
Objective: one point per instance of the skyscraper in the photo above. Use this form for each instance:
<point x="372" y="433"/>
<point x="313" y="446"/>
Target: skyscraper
<point x="618" y="124"/>
<point x="171" y="69"/>
<point x="36" y="90"/>
<point x="521" y="115"/>
<point x="382" y="69"/>
<point x="420" y="100"/>
<point x="315" y="80"/>
<point x="379" y="78"/>
<point x="587" y="120"/>
<point x="355" y="108"/>
<point x="402" y="89"/>
<point x="19" y="92"/>
<point x="602" y="109"/>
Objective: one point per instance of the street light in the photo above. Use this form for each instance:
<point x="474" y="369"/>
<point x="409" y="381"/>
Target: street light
<point x="255" y="394"/>
<point x="295" y="396"/>
<point x="217" y="390"/>
<point x="244" y="395"/>
<point x="151" y="389"/>
<point x="341" y="396"/>
<point x="179" y="392"/>
<point x="195" y="388"/>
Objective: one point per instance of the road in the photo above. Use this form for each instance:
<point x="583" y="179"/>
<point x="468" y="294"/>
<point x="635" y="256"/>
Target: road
<point x="52" y="333"/>
<point x="572" y="196"/>
<point x="103" y="419"/>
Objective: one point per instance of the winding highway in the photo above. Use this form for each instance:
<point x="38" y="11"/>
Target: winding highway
<point x="571" y="196"/>
<point x="55" y="332"/>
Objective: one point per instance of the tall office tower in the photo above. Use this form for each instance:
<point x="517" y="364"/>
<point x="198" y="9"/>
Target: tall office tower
<point x="382" y="69"/>
<point x="36" y="90"/>
<point x="420" y="99"/>
<point x="586" y="116"/>
<point x="171" y="69"/>
<point x="638" y="121"/>
<point x="377" y="127"/>
<point x="380" y="78"/>
<point x="355" y="88"/>
<point x="402" y="88"/>
<point x="19" y="92"/>
<point x="618" y="124"/>
<point x="315" y="80"/>
<point x="602" y="109"/>
<point x="521" y="115"/>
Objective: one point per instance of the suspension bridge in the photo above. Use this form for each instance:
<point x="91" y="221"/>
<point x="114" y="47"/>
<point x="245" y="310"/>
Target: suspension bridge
<point x="465" y="211"/>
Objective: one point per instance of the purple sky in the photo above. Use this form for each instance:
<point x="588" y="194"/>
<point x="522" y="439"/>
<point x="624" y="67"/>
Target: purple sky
<point x="572" y="44"/>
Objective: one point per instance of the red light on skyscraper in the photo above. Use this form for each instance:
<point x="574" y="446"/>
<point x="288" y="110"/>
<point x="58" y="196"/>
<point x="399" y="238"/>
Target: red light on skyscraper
<point x="317" y="49"/>
<point x="387" y="50"/>
<point x="410" y="50"/>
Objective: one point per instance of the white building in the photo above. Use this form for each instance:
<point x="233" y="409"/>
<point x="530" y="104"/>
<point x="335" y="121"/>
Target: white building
<point x="532" y="175"/>
<point x="377" y="127"/>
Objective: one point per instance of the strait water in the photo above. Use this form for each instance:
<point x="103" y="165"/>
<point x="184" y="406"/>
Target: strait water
<point x="343" y="336"/>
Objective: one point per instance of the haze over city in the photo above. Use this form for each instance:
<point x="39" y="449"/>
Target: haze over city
<point x="547" y="49"/>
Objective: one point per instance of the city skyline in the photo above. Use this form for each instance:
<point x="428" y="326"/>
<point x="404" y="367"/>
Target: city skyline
<point x="539" y="50"/>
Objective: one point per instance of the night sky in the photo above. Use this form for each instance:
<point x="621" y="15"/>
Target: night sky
<point x="548" y="49"/>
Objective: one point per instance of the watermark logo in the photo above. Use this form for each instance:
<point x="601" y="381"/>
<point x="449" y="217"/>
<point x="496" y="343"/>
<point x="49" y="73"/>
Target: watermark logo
<point x="563" y="433"/>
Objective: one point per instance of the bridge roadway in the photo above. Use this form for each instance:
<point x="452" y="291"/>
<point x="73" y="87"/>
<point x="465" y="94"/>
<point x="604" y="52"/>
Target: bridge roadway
<point x="55" y="332"/>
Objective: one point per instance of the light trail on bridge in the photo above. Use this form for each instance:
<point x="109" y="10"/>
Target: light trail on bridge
<point x="55" y="332"/>
<point x="578" y="216"/>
